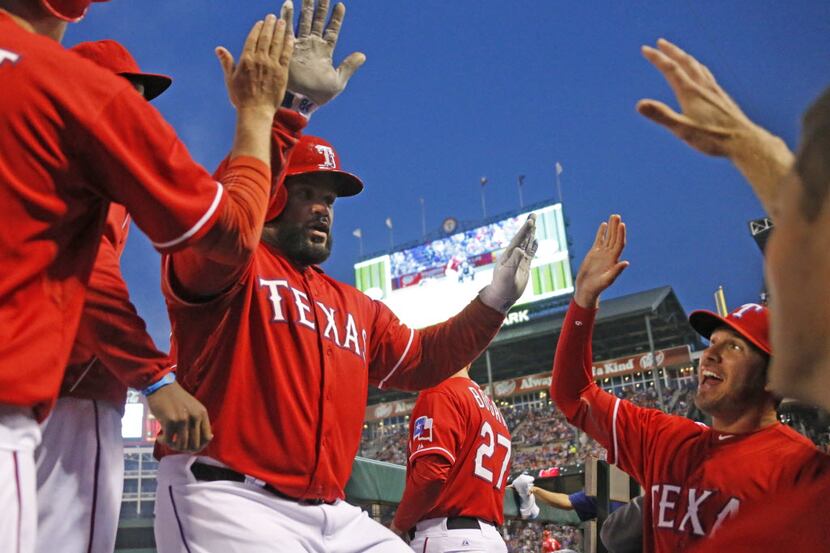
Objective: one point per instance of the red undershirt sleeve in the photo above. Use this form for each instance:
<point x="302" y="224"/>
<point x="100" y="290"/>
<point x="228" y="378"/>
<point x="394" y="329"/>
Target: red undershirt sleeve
<point x="423" y="488"/>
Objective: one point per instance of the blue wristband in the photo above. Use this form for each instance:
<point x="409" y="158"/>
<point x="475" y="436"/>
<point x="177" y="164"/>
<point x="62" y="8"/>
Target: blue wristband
<point x="169" y="378"/>
<point x="299" y="103"/>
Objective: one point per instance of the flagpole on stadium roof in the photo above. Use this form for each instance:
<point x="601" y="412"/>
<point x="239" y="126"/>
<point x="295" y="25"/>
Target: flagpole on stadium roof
<point x="358" y="233"/>
<point x="483" y="181"/>
<point x="391" y="232"/>
<point x="520" y="181"/>
<point x="423" y="219"/>
<point x="558" y="184"/>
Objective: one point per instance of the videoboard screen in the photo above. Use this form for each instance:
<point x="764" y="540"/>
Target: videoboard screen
<point x="428" y="283"/>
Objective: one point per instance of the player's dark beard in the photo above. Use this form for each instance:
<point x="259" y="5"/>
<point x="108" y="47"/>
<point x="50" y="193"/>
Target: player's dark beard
<point x="294" y="243"/>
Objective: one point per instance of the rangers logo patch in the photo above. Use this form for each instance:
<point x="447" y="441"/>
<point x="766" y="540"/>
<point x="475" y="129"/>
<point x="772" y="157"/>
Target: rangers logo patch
<point x="422" y="431"/>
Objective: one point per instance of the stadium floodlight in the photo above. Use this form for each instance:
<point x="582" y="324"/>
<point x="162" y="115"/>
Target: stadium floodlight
<point x="760" y="230"/>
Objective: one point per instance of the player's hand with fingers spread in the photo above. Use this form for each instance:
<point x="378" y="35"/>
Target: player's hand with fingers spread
<point x="258" y="80"/>
<point x="312" y="73"/>
<point x="512" y="270"/>
<point x="184" y="420"/>
<point x="711" y="121"/>
<point x="602" y="264"/>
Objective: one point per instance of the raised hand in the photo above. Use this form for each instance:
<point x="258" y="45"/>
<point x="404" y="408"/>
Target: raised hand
<point x="711" y="122"/>
<point x="312" y="73"/>
<point x="512" y="269"/>
<point x="260" y="77"/>
<point x="602" y="264"/>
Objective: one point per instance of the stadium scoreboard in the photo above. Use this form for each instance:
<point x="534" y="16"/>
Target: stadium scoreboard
<point x="430" y="282"/>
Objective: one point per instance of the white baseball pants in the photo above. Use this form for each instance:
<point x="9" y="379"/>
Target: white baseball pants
<point x="19" y="435"/>
<point x="80" y="477"/>
<point x="235" y="517"/>
<point x="432" y="536"/>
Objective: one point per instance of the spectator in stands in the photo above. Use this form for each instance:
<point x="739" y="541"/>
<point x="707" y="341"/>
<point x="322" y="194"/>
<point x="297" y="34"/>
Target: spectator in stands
<point x="794" y="191"/>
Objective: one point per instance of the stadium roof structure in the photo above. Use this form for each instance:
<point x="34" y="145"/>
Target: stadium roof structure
<point x="527" y="342"/>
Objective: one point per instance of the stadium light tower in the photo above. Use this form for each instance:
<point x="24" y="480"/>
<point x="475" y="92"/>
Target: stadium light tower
<point x="760" y="229"/>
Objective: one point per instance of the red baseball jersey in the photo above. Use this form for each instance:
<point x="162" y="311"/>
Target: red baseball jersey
<point x="75" y="136"/>
<point x="112" y="349"/>
<point x="695" y="478"/>
<point x="797" y="519"/>
<point x="459" y="422"/>
<point x="549" y="545"/>
<point x="282" y="362"/>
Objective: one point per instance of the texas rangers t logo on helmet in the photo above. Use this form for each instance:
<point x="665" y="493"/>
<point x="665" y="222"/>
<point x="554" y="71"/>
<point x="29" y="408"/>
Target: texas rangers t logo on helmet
<point x="328" y="154"/>
<point x="746" y="307"/>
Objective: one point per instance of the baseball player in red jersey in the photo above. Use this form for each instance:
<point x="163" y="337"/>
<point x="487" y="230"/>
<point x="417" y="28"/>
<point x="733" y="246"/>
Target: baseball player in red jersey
<point x="459" y="461"/>
<point x="282" y="356"/>
<point x="696" y="478"/>
<point x="549" y="543"/>
<point x="794" y="191"/>
<point x="75" y="138"/>
<point x="80" y="460"/>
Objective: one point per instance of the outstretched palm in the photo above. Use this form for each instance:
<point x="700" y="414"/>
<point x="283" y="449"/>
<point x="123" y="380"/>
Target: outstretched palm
<point x="312" y="72"/>
<point x="710" y="119"/>
<point x="602" y="264"/>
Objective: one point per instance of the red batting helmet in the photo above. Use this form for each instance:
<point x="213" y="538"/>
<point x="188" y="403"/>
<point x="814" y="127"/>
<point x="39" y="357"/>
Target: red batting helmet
<point x="750" y="320"/>
<point x="68" y="10"/>
<point x="111" y="55"/>
<point x="313" y="154"/>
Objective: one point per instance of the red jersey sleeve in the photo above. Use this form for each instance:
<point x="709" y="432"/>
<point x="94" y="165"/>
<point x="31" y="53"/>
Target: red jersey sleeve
<point x="110" y="327"/>
<point x="629" y="433"/>
<point x="435" y="426"/>
<point x="436" y="432"/>
<point x="198" y="276"/>
<point x="409" y="359"/>
<point x="138" y="161"/>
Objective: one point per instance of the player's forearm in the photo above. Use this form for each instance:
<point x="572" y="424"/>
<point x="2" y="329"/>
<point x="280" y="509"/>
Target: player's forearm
<point x="253" y="133"/>
<point x="234" y="237"/>
<point x="572" y="370"/>
<point x="763" y="159"/>
<point x="447" y="347"/>
<point x="207" y="271"/>
<point x="554" y="499"/>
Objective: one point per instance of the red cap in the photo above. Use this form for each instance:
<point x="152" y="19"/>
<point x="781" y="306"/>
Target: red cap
<point x="111" y="55"/>
<point x="68" y="10"/>
<point x="312" y="154"/>
<point x="750" y="320"/>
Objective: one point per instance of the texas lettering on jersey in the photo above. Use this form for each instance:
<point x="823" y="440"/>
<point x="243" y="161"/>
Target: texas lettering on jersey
<point x="344" y="335"/>
<point x="669" y="502"/>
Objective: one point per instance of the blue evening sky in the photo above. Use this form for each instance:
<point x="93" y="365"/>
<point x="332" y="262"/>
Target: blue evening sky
<point x="456" y="90"/>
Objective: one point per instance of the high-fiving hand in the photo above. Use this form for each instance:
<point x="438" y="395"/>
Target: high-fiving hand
<point x="312" y="73"/>
<point x="512" y="269"/>
<point x="259" y="78"/>
<point x="710" y="120"/>
<point x="602" y="264"/>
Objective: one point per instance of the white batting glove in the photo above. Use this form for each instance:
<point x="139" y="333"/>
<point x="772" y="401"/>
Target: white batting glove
<point x="512" y="269"/>
<point x="527" y="501"/>
<point x="311" y="74"/>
